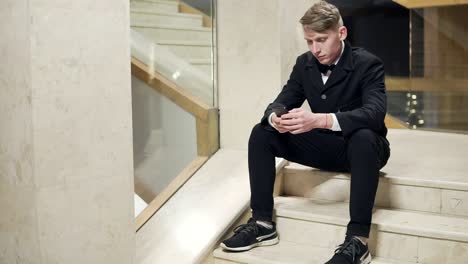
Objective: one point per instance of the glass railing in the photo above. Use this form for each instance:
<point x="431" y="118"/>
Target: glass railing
<point x="178" y="41"/>
<point x="175" y="68"/>
<point x="175" y="120"/>
<point x="425" y="52"/>
<point x="164" y="140"/>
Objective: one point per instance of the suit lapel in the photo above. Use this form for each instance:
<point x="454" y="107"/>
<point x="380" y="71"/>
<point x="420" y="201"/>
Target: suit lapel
<point x="335" y="77"/>
<point x="313" y="72"/>
<point x="342" y="69"/>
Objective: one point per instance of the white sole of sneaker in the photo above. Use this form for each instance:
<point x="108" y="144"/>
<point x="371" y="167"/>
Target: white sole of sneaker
<point x="270" y="242"/>
<point x="366" y="259"/>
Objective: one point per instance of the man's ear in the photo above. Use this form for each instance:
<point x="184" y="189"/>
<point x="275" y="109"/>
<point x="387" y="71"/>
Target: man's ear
<point x="343" y="32"/>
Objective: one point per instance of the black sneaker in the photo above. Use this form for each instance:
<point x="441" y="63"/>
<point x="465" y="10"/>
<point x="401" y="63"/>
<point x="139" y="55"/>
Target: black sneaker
<point x="250" y="235"/>
<point x="352" y="251"/>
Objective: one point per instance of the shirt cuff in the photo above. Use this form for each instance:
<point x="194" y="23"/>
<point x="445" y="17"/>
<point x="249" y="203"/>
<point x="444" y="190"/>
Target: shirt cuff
<point x="336" y="125"/>
<point x="270" y="121"/>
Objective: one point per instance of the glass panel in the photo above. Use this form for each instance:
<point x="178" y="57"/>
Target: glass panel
<point x="176" y="40"/>
<point x="439" y="68"/>
<point x="164" y="141"/>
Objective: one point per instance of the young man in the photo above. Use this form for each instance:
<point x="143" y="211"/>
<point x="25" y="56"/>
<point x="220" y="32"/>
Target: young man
<point x="345" y="131"/>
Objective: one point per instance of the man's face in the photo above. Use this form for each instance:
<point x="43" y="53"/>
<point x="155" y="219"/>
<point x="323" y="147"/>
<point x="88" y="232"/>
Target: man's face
<point x="325" y="46"/>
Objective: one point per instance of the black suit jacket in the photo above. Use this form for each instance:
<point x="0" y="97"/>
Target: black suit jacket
<point x="355" y="91"/>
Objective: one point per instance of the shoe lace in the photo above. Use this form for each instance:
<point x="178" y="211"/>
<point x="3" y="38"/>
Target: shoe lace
<point x="247" y="228"/>
<point x="349" y="247"/>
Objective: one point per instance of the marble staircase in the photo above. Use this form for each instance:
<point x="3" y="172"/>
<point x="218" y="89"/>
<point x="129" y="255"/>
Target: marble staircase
<point x="421" y="212"/>
<point x="183" y="34"/>
<point x="156" y="6"/>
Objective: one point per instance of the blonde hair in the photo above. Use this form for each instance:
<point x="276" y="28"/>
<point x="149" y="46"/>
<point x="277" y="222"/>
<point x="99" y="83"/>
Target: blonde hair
<point x="321" y="16"/>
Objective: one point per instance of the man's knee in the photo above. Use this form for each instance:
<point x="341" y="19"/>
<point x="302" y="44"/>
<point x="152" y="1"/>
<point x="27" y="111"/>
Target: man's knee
<point x="366" y="146"/>
<point x="259" y="134"/>
<point x="363" y="135"/>
<point x="363" y="139"/>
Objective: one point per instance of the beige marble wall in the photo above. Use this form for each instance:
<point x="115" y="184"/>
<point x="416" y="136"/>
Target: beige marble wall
<point x="66" y="169"/>
<point x="258" y="43"/>
<point x="17" y="192"/>
<point x="292" y="43"/>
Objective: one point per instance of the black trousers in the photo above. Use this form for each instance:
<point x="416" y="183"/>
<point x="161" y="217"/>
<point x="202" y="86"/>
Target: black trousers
<point x="363" y="154"/>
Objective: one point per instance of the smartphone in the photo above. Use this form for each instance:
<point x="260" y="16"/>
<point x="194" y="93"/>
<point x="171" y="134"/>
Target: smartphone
<point x="279" y="111"/>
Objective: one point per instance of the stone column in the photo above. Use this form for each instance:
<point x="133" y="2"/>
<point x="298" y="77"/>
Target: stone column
<point x="66" y="163"/>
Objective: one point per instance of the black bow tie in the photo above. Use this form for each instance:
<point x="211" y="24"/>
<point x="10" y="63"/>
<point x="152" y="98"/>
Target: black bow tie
<point x="325" y="68"/>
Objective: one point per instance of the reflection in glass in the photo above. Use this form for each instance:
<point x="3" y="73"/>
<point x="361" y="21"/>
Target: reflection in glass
<point x="439" y="68"/>
<point x="177" y="40"/>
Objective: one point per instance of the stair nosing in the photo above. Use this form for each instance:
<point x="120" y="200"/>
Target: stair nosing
<point x="418" y="182"/>
<point x="158" y="2"/>
<point x="185" y="43"/>
<point x="166" y="13"/>
<point x="197" y="61"/>
<point x="201" y="29"/>
<point x="249" y="256"/>
<point x="433" y="232"/>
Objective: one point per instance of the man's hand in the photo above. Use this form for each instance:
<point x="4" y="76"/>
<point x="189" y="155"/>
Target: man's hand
<point x="299" y="121"/>
<point x="277" y="124"/>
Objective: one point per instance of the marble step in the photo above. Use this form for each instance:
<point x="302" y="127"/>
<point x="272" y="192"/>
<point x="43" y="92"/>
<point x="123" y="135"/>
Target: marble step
<point x="204" y="65"/>
<point x="416" y="236"/>
<point x="207" y="69"/>
<point x="392" y="192"/>
<point x="156" y="6"/>
<point x="155" y="0"/>
<point x="162" y="32"/>
<point x="188" y="49"/>
<point x="138" y="204"/>
<point x="285" y="252"/>
<point x="428" y="183"/>
<point x="140" y="15"/>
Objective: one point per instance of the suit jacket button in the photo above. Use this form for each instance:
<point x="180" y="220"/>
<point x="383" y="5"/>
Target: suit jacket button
<point x="324" y="96"/>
